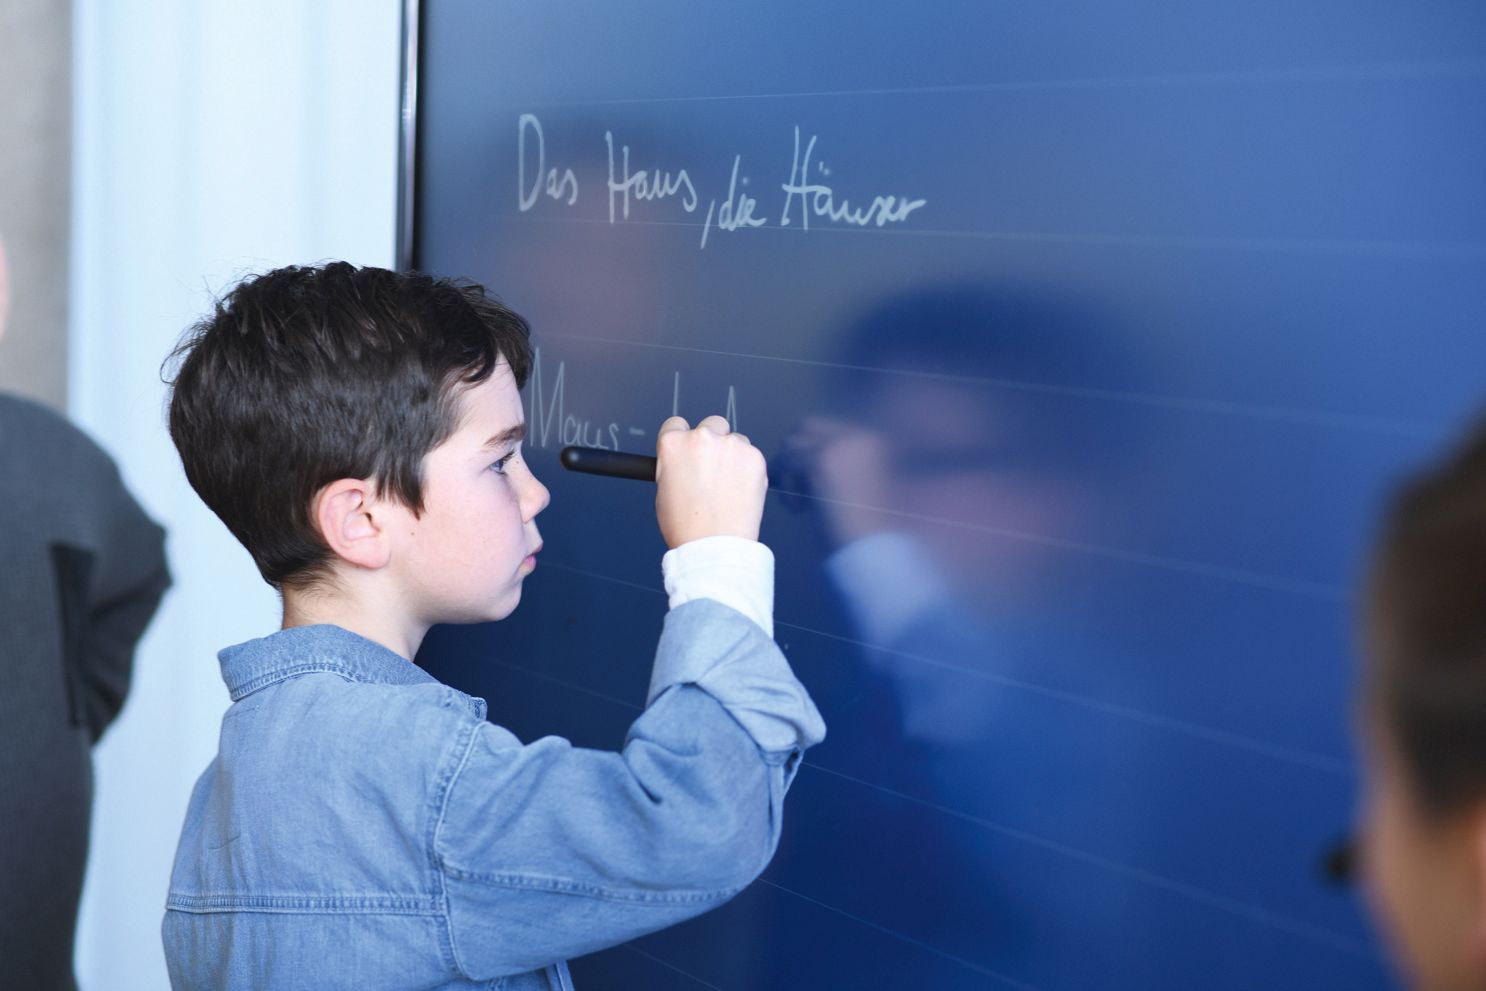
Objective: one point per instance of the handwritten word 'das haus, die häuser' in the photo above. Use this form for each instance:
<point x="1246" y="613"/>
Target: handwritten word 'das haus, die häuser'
<point x="810" y="193"/>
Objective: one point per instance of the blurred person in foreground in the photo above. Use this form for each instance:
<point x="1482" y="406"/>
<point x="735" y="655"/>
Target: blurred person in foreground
<point x="1424" y="717"/>
<point x="84" y="570"/>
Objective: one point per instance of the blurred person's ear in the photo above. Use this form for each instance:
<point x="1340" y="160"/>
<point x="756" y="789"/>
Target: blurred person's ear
<point x="4" y="288"/>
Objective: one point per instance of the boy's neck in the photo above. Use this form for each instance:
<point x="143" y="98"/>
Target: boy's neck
<point x="385" y="626"/>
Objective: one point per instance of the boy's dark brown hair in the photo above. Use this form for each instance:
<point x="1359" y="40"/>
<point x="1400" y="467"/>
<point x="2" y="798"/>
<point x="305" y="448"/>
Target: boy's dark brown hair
<point x="305" y="375"/>
<point x="1426" y="675"/>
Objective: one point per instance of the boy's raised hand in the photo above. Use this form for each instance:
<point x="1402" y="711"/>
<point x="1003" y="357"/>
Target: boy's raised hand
<point x="709" y="481"/>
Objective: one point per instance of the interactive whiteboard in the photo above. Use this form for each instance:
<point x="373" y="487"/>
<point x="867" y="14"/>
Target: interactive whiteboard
<point x="1085" y="341"/>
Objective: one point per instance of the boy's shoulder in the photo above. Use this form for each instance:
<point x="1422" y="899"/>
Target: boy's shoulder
<point x="333" y="744"/>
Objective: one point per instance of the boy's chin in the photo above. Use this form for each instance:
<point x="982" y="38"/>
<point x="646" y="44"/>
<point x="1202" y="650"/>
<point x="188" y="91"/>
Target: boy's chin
<point x="493" y="612"/>
<point x="490" y="610"/>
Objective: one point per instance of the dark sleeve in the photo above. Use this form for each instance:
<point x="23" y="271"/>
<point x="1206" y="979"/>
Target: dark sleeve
<point x="108" y="593"/>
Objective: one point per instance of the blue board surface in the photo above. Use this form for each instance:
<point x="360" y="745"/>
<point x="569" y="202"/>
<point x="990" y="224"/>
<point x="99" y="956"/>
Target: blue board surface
<point x="1085" y="341"/>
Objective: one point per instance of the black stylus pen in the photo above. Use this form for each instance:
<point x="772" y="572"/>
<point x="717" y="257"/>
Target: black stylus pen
<point x="596" y="461"/>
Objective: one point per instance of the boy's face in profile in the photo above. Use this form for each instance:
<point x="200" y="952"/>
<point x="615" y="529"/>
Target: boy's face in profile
<point x="1424" y="875"/>
<point x="464" y="558"/>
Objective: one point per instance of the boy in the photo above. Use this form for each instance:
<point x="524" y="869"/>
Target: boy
<point x="363" y="826"/>
<point x="1424" y="709"/>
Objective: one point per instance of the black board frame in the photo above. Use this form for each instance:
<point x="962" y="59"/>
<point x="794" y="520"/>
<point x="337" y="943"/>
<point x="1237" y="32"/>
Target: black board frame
<point x="405" y="250"/>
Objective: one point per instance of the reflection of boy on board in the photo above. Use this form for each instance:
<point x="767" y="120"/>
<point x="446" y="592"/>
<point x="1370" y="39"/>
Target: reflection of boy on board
<point x="363" y="826"/>
<point x="1424" y="708"/>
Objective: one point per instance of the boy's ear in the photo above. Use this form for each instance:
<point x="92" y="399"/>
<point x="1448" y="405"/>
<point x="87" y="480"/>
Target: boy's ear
<point x="352" y="524"/>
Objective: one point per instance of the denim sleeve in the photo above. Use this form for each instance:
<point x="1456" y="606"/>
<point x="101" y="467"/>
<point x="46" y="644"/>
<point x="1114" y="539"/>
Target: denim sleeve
<point x="548" y="851"/>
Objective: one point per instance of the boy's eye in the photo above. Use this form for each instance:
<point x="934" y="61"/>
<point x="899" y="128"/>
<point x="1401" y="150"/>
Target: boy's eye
<point x="500" y="466"/>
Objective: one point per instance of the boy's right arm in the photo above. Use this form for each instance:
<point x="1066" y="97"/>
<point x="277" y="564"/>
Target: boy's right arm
<point x="549" y="851"/>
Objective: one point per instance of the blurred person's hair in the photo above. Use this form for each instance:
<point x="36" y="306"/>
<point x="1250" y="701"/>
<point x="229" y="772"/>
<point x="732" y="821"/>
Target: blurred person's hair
<point x="1426" y="626"/>
<point x="1039" y="362"/>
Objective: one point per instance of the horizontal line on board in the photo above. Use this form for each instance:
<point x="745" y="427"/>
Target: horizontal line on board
<point x="1256" y="579"/>
<point x="1433" y="250"/>
<point x="669" y="966"/>
<point x="1239" y="576"/>
<point x="1356" y="72"/>
<point x="903" y="937"/>
<point x="1316" y="418"/>
<point x="1212" y="899"/>
<point x="1290" y="755"/>
<point x="563" y="683"/>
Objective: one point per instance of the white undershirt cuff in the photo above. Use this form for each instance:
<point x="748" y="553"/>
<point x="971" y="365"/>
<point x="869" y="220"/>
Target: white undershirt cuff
<point x="735" y="571"/>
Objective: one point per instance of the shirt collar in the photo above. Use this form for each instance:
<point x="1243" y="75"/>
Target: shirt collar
<point x="256" y="664"/>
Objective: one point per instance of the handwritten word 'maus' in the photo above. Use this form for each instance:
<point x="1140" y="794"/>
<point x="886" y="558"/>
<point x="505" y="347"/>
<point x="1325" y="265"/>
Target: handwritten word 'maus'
<point x="548" y="420"/>
<point x="544" y="422"/>
<point x="819" y="199"/>
<point x="653" y="184"/>
<point x="562" y="187"/>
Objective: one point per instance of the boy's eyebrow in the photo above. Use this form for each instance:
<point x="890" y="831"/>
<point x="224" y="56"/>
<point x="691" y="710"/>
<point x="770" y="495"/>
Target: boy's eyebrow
<point x="516" y="433"/>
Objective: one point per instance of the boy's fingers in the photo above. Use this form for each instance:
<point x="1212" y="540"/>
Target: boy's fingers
<point x="716" y="424"/>
<point x="743" y="438"/>
<point x="673" y="424"/>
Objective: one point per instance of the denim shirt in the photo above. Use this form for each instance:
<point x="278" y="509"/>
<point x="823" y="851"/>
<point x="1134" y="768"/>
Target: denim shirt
<point x="363" y="826"/>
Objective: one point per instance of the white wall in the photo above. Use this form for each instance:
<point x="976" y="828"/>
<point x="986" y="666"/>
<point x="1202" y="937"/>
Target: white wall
<point x="35" y="76"/>
<point x="211" y="139"/>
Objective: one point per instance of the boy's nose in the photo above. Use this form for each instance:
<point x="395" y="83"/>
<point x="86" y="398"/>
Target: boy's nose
<point x="536" y="498"/>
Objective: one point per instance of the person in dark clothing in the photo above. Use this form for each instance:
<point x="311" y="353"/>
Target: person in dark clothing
<point x="83" y="571"/>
